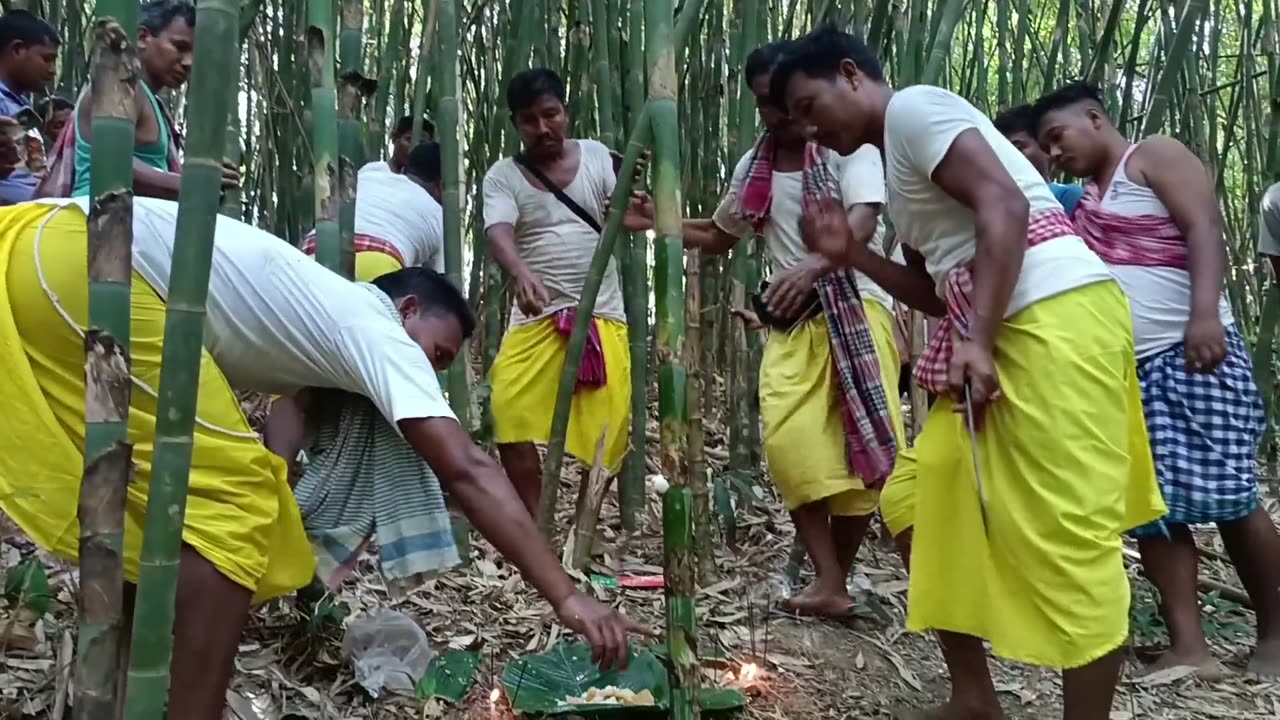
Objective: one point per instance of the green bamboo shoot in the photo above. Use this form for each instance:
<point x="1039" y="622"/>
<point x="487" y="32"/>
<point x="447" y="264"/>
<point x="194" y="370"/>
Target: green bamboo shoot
<point x="198" y="204"/>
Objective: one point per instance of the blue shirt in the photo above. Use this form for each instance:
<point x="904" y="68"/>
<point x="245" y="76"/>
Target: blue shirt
<point x="1068" y="195"/>
<point x="21" y="184"/>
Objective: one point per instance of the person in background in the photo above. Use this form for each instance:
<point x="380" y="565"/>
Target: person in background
<point x="399" y="221"/>
<point x="543" y="212"/>
<point x="55" y="114"/>
<point x="166" y="42"/>
<point x="401" y="143"/>
<point x="1269" y="227"/>
<point x="278" y="322"/>
<point x="1018" y="124"/>
<point x="28" y="63"/>
<point x="801" y="397"/>
<point x="1150" y="212"/>
<point x="1034" y="459"/>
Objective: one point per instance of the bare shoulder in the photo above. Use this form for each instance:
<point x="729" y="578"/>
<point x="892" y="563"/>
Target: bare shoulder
<point x="1159" y="156"/>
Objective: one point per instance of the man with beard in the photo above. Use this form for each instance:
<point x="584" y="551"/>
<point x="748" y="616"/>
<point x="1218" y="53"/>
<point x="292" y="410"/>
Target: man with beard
<point x="543" y="210"/>
<point x="166" y="44"/>
<point x="801" y="397"/>
<point x="1034" y="459"/>
<point x="1150" y="212"/>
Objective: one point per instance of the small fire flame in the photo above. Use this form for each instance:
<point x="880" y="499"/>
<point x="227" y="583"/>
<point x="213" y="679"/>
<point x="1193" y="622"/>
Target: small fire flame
<point x="748" y="672"/>
<point x="493" y="696"/>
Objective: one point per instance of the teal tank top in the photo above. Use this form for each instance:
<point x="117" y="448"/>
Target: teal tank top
<point x="155" y="155"/>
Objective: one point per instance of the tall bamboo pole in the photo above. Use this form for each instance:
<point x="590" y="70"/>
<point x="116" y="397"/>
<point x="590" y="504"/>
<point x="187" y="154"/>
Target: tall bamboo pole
<point x="606" y="89"/>
<point x="324" y="132"/>
<point x="451" y="162"/>
<point x="353" y="89"/>
<point x="198" y="205"/>
<point x="635" y="282"/>
<point x="681" y="569"/>
<point x="107" y="453"/>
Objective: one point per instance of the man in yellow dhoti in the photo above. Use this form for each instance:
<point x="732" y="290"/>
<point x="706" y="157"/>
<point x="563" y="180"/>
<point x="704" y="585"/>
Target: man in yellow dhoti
<point x="277" y="322"/>
<point x="543" y="210"/>
<point x="1019" y="514"/>
<point x="800" y="403"/>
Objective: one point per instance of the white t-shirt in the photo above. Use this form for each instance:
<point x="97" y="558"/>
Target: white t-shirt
<point x="554" y="242"/>
<point x="921" y="124"/>
<point x="396" y="209"/>
<point x="279" y="322"/>
<point x="861" y="178"/>
<point x="1159" y="297"/>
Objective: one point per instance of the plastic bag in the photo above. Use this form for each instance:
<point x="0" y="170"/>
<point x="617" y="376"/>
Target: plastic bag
<point x="388" y="651"/>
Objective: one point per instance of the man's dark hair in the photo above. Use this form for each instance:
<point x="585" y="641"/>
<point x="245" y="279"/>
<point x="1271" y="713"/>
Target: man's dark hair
<point x="424" y="161"/>
<point x="433" y="291"/>
<point x="819" y="54"/>
<point x="1065" y="96"/>
<point x="404" y="126"/>
<point x="54" y="104"/>
<point x="20" y="26"/>
<point x="764" y="58"/>
<point x="158" y="15"/>
<point x="1017" y="119"/>
<point x="527" y="86"/>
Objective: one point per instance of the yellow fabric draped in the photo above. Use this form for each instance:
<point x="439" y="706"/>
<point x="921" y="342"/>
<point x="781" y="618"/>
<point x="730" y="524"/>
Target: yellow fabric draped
<point x="898" y="499"/>
<point x="241" y="514"/>
<point x="804" y="437"/>
<point x="1067" y="468"/>
<point x="371" y="265"/>
<point x="524" y="379"/>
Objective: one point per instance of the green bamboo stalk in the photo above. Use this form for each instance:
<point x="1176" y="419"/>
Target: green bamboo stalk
<point x="424" y="64"/>
<point x="451" y="162"/>
<point x="1173" y="66"/>
<point x="232" y="151"/>
<point x="635" y="284"/>
<point x="198" y="202"/>
<point x="941" y="49"/>
<point x="605" y="90"/>
<point x="682" y="638"/>
<point x="387" y="62"/>
<point x="107" y="453"/>
<point x="353" y="90"/>
<point x="324" y="132"/>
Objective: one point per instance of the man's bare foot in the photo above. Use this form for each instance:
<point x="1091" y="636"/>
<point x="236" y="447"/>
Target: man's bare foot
<point x="951" y="711"/>
<point x="1266" y="659"/>
<point x="1206" y="668"/>
<point x="820" y="602"/>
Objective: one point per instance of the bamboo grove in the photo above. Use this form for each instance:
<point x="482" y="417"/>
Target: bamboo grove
<point x="317" y="83"/>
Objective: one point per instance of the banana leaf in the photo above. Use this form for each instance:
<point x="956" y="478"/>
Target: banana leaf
<point x="450" y="675"/>
<point x="539" y="684"/>
<point x="27" y="586"/>
<point x="720" y="699"/>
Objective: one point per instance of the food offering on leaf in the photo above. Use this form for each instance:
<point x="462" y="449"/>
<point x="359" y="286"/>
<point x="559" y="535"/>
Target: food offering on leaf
<point x="611" y="695"/>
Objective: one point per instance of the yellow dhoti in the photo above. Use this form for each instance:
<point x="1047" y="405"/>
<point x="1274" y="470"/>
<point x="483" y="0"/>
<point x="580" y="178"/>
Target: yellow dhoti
<point x="240" y="515"/>
<point x="898" y="499"/>
<point x="1066" y="467"/>
<point x="524" y="379"/>
<point x="804" y="436"/>
<point x="372" y="264"/>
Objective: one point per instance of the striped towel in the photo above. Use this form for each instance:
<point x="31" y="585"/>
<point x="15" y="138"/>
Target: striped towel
<point x="362" y="479"/>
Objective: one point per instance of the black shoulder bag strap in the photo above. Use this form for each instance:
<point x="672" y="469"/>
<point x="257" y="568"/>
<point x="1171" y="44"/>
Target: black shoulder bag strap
<point x="554" y="189"/>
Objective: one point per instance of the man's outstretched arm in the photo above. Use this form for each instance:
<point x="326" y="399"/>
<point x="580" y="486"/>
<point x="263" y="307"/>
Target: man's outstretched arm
<point x="487" y="498"/>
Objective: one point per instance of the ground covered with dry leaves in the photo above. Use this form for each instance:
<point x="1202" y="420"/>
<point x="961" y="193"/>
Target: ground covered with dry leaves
<point x="867" y="668"/>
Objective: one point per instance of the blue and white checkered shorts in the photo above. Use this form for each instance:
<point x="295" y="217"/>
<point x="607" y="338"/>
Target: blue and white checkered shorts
<point x="1205" y="430"/>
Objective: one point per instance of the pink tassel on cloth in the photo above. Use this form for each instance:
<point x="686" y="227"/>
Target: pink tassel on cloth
<point x="591" y="372"/>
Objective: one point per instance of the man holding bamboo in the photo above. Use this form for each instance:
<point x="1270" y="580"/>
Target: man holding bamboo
<point x="802" y="400"/>
<point x="543" y="213"/>
<point x="1150" y="212"/>
<point x="278" y="323"/>
<point x="1024" y="488"/>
